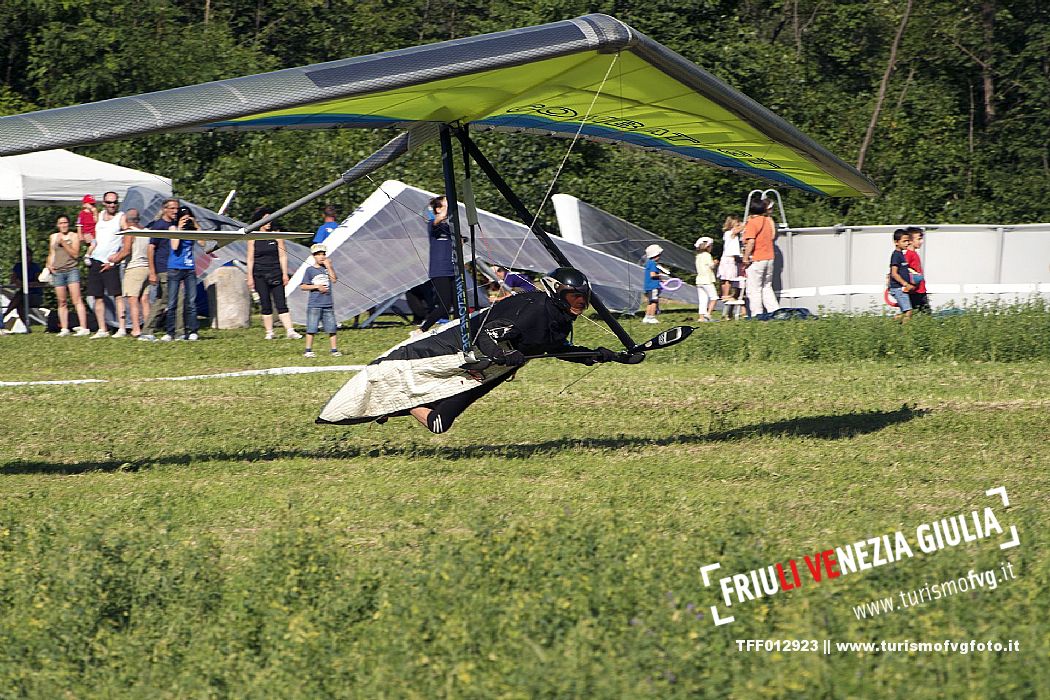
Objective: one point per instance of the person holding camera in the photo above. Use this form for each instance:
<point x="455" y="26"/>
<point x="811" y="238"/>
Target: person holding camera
<point x="182" y="272"/>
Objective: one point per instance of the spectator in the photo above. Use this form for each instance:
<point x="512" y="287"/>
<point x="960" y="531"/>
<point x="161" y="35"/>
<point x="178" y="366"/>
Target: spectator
<point x="104" y="256"/>
<point x="86" y="219"/>
<point x="494" y="291"/>
<point x="900" y="284"/>
<point x="705" y="277"/>
<point x="267" y="275"/>
<point x="136" y="285"/>
<point x="512" y="283"/>
<point x="318" y="280"/>
<point x="417" y="302"/>
<point x="759" y="234"/>
<point x="441" y="270"/>
<point x="159" y="250"/>
<point x="182" y="271"/>
<point x="651" y="283"/>
<point x="731" y="265"/>
<point x="920" y="302"/>
<point x="331" y="223"/>
<point x="36" y="291"/>
<point x="62" y="257"/>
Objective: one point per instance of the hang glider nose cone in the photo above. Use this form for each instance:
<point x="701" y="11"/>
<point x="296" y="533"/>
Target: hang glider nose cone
<point x="612" y="34"/>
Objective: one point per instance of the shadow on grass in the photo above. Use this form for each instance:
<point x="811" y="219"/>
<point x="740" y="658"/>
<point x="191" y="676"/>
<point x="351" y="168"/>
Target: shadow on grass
<point x="826" y="427"/>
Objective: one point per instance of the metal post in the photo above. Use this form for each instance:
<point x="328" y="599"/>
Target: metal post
<point x="998" y="255"/>
<point x="448" y="167"/>
<point x="527" y="218"/>
<point x="25" y="258"/>
<point x="849" y="273"/>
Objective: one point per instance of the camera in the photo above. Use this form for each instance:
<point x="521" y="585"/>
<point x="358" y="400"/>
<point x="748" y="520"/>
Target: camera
<point x="185" y="211"/>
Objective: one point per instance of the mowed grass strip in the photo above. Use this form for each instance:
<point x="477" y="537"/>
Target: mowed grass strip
<point x="196" y="539"/>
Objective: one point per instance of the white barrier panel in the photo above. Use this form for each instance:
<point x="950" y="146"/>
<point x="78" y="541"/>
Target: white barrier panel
<point x="844" y="268"/>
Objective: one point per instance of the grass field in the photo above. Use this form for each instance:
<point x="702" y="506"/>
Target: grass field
<point x="206" y="539"/>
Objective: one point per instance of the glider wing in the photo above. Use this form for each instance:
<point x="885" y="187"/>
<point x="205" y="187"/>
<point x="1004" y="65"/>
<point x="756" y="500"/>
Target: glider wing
<point x="592" y="75"/>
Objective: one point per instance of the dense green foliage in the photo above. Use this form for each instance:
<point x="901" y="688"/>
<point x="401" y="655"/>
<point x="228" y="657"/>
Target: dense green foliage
<point x="961" y="135"/>
<point x="549" y="546"/>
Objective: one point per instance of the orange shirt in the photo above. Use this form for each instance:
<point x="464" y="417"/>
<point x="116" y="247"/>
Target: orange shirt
<point x="762" y="230"/>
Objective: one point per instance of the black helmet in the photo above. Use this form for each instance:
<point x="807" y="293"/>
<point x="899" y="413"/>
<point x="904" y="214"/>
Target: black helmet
<point x="563" y="280"/>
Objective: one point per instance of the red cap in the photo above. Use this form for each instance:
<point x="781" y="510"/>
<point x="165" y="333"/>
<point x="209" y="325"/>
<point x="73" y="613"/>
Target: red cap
<point x="88" y="199"/>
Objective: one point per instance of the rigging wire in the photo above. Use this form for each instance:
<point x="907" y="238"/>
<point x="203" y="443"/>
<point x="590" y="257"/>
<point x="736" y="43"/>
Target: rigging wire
<point x="557" y="174"/>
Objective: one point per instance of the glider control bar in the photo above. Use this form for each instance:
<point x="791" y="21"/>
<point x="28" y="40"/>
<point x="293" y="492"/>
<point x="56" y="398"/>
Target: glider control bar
<point x="672" y="336"/>
<point x="631" y="356"/>
<point x="526" y="218"/>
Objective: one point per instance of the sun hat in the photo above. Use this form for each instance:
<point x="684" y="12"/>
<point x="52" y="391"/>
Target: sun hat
<point x="702" y="241"/>
<point x="653" y="250"/>
<point x="88" y="199"/>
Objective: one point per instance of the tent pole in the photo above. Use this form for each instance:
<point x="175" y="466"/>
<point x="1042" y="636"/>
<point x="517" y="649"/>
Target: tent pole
<point x="25" y="258"/>
<point x="448" y="166"/>
<point x="527" y="218"/>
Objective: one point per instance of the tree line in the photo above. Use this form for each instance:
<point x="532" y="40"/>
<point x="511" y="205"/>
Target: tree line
<point x="943" y="103"/>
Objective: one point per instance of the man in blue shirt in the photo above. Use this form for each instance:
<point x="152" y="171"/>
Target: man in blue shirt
<point x="441" y="270"/>
<point x="514" y="282"/>
<point x="158" y="251"/>
<point x="330" y="224"/>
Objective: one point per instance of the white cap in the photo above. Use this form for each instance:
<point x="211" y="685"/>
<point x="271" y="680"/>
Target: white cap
<point x="653" y="250"/>
<point x="702" y="241"/>
<point x="318" y="248"/>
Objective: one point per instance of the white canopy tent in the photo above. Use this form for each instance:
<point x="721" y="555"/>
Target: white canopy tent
<point x="59" y="176"/>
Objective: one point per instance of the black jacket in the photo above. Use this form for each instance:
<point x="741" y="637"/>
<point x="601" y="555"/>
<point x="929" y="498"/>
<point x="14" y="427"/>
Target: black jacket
<point x="530" y="323"/>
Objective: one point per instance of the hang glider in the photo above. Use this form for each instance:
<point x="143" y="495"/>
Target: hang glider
<point x="588" y="225"/>
<point x="594" y="76"/>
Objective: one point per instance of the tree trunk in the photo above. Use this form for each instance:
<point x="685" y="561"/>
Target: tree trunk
<point x="988" y="24"/>
<point x="881" y="97"/>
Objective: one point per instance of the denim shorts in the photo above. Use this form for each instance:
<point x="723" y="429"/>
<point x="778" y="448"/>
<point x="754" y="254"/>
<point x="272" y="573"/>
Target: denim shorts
<point x="64" y="279"/>
<point x="317" y="316"/>
<point x="901" y="297"/>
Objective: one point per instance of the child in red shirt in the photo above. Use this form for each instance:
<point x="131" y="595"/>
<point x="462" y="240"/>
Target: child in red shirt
<point x="919" y="301"/>
<point x="86" y="219"/>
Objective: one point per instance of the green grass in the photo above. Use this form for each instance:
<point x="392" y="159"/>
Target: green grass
<point x="206" y="539"/>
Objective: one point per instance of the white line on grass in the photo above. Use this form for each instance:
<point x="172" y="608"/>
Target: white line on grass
<point x="222" y="375"/>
